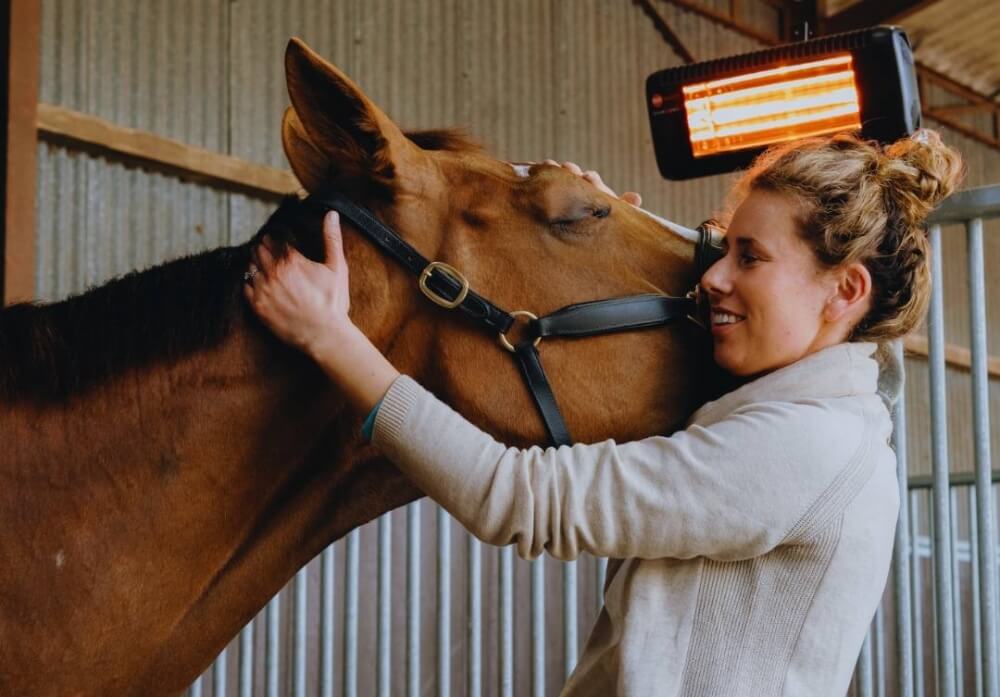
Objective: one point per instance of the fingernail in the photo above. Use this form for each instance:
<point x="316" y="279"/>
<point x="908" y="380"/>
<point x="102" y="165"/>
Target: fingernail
<point x="335" y="216"/>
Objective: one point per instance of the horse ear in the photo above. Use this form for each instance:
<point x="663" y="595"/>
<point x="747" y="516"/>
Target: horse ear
<point x="356" y="138"/>
<point x="311" y="167"/>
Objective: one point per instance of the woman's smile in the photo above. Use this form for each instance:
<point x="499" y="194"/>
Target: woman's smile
<point x="724" y="321"/>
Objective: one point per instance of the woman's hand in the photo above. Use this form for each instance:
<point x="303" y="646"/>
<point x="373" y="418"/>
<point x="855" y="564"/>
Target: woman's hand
<point x="595" y="179"/>
<point x="306" y="304"/>
<point x="303" y="302"/>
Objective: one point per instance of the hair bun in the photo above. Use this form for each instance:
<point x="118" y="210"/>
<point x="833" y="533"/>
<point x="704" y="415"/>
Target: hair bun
<point x="918" y="173"/>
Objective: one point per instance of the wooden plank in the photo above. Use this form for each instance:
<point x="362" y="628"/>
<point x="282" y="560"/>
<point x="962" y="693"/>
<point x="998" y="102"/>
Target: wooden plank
<point x="869" y="13"/>
<point x="954" y="355"/>
<point x="725" y="20"/>
<point x="955" y="109"/>
<point x="664" y="30"/>
<point x="17" y="238"/>
<point x="58" y="123"/>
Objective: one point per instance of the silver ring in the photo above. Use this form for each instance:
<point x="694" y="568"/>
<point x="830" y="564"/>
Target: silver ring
<point x="249" y="274"/>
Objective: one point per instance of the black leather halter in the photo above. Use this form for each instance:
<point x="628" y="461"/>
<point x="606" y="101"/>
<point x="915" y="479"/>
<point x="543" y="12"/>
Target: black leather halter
<point x="447" y="287"/>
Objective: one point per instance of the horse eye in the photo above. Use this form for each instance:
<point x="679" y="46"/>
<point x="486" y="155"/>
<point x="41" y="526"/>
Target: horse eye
<point x="603" y="212"/>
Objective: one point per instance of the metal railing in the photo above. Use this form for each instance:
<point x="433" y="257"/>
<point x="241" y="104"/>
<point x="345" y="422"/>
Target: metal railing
<point x="968" y="207"/>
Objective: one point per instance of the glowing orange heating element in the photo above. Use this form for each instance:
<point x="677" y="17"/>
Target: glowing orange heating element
<point x="772" y="105"/>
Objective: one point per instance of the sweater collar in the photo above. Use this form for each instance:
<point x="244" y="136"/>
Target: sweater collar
<point x="840" y="370"/>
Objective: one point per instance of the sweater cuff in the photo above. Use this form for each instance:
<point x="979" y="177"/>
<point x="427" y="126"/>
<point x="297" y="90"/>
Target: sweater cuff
<point x="391" y="416"/>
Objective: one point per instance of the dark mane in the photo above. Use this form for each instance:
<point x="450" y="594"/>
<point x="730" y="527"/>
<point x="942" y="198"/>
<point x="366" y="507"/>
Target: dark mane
<point x="452" y="139"/>
<point x="161" y="314"/>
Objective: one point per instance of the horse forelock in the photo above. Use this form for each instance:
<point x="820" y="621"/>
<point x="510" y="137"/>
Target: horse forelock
<point x="450" y="139"/>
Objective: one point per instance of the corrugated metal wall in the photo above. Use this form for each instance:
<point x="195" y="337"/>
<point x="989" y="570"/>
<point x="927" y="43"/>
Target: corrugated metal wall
<point x="531" y="78"/>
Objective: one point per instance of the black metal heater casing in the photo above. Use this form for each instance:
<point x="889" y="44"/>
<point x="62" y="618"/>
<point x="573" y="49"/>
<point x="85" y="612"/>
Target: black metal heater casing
<point x="884" y="73"/>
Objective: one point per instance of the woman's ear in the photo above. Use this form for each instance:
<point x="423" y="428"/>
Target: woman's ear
<point x="852" y="294"/>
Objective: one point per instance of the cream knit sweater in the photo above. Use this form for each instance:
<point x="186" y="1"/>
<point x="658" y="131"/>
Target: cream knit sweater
<point x="750" y="550"/>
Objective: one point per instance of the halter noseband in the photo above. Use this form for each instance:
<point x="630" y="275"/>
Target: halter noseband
<point x="446" y="286"/>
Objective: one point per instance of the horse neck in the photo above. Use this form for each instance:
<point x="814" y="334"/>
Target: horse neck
<point x="225" y="471"/>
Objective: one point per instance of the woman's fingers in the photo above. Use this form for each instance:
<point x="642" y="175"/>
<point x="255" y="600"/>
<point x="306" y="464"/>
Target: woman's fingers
<point x="334" y="242"/>
<point x="632" y="198"/>
<point x="263" y="259"/>
<point x="572" y="167"/>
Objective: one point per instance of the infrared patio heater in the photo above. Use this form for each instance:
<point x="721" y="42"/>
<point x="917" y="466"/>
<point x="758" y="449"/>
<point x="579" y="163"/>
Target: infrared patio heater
<point x="716" y="116"/>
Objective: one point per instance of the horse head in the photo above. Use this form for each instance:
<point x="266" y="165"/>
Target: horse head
<point x="527" y="237"/>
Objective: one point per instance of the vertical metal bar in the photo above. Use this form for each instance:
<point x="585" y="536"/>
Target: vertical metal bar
<point x="977" y="628"/>
<point x="538" y="627"/>
<point x="864" y="669"/>
<point x="219" y="674"/>
<point x="196" y="690"/>
<point x="384" y="629"/>
<point x="413" y="599"/>
<point x="956" y="585"/>
<point x="569" y="617"/>
<point x="475" y="686"/>
<point x="351" y="569"/>
<point x="299" y="648"/>
<point x="902" y="550"/>
<point x="272" y="659"/>
<point x="444" y="603"/>
<point x="880" y="667"/>
<point x="602" y="575"/>
<point x="506" y="621"/>
<point x="246" y="660"/>
<point x="981" y="430"/>
<point x="916" y="577"/>
<point x="326" y="599"/>
<point x="944" y="624"/>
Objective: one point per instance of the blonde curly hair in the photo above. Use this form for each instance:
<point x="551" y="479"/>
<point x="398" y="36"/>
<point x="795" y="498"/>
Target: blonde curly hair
<point x="862" y="202"/>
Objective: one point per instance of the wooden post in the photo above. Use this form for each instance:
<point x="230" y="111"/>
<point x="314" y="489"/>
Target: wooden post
<point x="20" y="96"/>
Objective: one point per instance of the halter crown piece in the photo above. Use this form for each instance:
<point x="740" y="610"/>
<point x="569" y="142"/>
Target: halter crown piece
<point x="446" y="286"/>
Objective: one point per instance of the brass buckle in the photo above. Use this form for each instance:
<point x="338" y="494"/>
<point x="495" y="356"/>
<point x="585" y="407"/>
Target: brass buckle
<point x="454" y="274"/>
<point x="505" y="342"/>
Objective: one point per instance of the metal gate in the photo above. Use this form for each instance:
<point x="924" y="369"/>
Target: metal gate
<point x="503" y="626"/>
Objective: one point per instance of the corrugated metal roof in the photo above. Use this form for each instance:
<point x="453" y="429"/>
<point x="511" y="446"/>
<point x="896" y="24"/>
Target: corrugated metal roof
<point x="958" y="38"/>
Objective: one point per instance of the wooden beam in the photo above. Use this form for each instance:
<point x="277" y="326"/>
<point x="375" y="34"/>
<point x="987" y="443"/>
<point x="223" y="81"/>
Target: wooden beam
<point x="17" y="235"/>
<point x="60" y="124"/>
<point x="725" y="20"/>
<point x="664" y="30"/>
<point x="954" y="355"/>
<point x="869" y="13"/>
<point x="957" y="109"/>
<point x="958" y="89"/>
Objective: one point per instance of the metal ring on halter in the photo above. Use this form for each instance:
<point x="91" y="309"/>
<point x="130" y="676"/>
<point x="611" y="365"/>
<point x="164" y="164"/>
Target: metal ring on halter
<point x="449" y="271"/>
<point x="698" y="295"/>
<point x="249" y="274"/>
<point x="505" y="342"/>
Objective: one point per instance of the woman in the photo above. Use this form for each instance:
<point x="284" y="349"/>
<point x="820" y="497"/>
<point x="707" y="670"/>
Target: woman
<point x="752" y="548"/>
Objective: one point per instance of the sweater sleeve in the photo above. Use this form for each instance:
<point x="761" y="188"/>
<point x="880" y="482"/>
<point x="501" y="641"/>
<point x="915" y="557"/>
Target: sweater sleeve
<point x="766" y="475"/>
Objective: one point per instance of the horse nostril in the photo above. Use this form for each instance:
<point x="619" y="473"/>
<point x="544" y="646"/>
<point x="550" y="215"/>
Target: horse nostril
<point x="602" y="212"/>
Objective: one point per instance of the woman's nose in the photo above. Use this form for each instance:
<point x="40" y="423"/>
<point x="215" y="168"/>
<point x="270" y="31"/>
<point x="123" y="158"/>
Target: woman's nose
<point x="715" y="279"/>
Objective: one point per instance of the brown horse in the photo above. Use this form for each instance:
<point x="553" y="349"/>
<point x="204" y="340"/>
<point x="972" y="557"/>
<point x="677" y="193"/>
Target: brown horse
<point x="167" y="465"/>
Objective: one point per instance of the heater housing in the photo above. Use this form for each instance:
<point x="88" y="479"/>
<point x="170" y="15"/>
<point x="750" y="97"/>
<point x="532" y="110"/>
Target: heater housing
<point x="716" y="116"/>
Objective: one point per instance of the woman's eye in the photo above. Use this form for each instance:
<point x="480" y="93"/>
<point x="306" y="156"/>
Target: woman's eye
<point x="747" y="259"/>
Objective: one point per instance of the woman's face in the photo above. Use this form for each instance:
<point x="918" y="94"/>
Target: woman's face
<point x="771" y="284"/>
